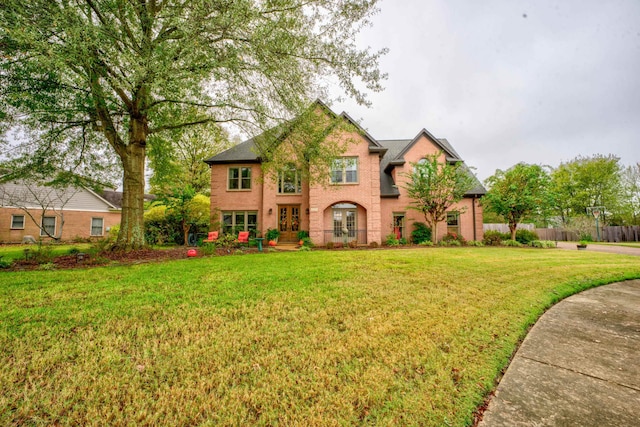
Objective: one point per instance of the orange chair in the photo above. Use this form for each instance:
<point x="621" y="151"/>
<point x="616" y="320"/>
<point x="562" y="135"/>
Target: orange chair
<point x="243" y="237"/>
<point x="212" y="237"/>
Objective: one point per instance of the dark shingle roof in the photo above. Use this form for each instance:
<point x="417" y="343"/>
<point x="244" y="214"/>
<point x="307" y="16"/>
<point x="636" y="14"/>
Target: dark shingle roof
<point x="396" y="148"/>
<point x="245" y="152"/>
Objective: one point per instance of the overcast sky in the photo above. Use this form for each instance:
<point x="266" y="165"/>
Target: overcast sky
<point x="509" y="81"/>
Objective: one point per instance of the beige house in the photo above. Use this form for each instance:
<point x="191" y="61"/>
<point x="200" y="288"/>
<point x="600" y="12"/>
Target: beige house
<point x="39" y="211"/>
<point x="364" y="200"/>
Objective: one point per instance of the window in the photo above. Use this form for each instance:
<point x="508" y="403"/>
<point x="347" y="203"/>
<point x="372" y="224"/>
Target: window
<point x="48" y="226"/>
<point x="97" y="226"/>
<point x="17" y="222"/>
<point x="398" y="225"/>
<point x="344" y="170"/>
<point x="289" y="182"/>
<point x="453" y="222"/>
<point x="344" y="221"/>
<point x="235" y="221"/>
<point x="239" y="179"/>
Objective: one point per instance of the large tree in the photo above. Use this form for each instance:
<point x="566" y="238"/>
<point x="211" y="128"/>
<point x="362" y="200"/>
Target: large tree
<point x="517" y="193"/>
<point x="587" y="181"/>
<point x="435" y="186"/>
<point x="78" y="74"/>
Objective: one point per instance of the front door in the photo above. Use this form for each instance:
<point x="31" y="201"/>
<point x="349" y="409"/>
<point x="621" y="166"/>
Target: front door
<point x="289" y="222"/>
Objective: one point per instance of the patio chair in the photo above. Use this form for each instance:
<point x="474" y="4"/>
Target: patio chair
<point x="211" y="237"/>
<point x="243" y="237"/>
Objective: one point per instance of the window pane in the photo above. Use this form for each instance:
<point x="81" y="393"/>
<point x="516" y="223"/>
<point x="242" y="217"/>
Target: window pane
<point x="17" y="221"/>
<point x="252" y="223"/>
<point x="234" y="178"/>
<point x="240" y="221"/>
<point x="351" y="168"/>
<point x="48" y="226"/>
<point x="227" y="222"/>
<point x="246" y="178"/>
<point x="96" y="226"/>
<point x="336" y="171"/>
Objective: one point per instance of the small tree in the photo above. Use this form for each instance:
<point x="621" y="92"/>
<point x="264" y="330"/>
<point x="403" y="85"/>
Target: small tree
<point x="435" y="186"/>
<point x="189" y="209"/>
<point x="518" y="192"/>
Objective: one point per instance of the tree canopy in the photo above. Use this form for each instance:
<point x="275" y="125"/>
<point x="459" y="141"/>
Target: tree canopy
<point x="84" y="80"/>
<point x="435" y="186"/>
<point x="518" y="192"/>
<point x="584" y="182"/>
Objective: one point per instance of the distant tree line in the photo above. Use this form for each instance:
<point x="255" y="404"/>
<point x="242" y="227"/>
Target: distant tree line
<point x="561" y="196"/>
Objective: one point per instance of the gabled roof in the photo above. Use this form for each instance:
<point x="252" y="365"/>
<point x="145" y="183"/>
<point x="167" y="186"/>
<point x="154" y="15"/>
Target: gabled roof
<point x="397" y="148"/>
<point x="247" y="151"/>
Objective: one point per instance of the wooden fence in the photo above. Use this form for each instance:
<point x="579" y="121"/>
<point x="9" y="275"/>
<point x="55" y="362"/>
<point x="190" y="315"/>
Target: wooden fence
<point x="607" y="234"/>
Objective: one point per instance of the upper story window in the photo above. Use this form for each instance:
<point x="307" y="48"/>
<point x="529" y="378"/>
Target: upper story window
<point x="239" y="178"/>
<point x="344" y="170"/>
<point x="17" y="222"/>
<point x="289" y="182"/>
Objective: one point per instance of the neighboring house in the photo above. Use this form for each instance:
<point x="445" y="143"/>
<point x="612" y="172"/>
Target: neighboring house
<point x="364" y="201"/>
<point x="85" y="213"/>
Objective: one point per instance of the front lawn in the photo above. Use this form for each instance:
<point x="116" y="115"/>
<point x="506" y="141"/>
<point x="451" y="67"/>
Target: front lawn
<point x="385" y="337"/>
<point x="13" y="252"/>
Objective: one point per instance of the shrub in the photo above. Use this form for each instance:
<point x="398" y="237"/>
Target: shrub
<point x="208" y="248"/>
<point x="513" y="243"/>
<point x="426" y="243"/>
<point x="475" y="243"/>
<point x="391" y="240"/>
<point x="403" y="241"/>
<point x="494" y="238"/>
<point x="421" y="233"/>
<point x="586" y="237"/>
<point x="226" y="241"/>
<point x="74" y="251"/>
<point x="353" y="244"/>
<point x="374" y="245"/>
<point x="304" y="249"/>
<point x="543" y="244"/>
<point x="454" y="242"/>
<point x="272" y="234"/>
<point x="7" y="263"/>
<point x="306" y="242"/>
<point x="329" y="245"/>
<point x="526" y="236"/>
<point x="338" y="245"/>
<point x="302" y="234"/>
<point x="454" y="237"/>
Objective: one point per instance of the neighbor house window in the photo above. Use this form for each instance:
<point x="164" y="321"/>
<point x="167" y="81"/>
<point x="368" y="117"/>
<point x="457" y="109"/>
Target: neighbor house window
<point x="97" y="226"/>
<point x="289" y="182"/>
<point x="453" y="222"/>
<point x="239" y="179"/>
<point x="17" y="222"/>
<point x="235" y="221"/>
<point x="398" y="225"/>
<point x="48" y="226"/>
<point x="344" y="170"/>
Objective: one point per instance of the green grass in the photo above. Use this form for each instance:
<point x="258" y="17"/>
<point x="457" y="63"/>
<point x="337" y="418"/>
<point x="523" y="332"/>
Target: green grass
<point x="393" y="337"/>
<point x="12" y="252"/>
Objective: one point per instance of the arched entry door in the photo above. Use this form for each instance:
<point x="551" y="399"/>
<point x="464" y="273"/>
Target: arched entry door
<point x="288" y="222"/>
<point x="345" y="222"/>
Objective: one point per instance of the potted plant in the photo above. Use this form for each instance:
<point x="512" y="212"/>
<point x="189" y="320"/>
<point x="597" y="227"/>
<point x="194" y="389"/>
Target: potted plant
<point x="582" y="245"/>
<point x="272" y="235"/>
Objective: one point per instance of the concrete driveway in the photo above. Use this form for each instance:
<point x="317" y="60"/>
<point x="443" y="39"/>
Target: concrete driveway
<point x="624" y="250"/>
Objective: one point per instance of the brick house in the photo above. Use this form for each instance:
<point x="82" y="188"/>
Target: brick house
<point x="364" y="200"/>
<point x="85" y="213"/>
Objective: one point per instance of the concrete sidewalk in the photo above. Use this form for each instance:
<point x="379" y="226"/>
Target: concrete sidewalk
<point x="578" y="366"/>
<point x="624" y="250"/>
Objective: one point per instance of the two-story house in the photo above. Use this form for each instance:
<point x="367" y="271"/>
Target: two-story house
<point x="364" y="200"/>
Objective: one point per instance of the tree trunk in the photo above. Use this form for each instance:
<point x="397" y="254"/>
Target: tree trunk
<point x="185" y="230"/>
<point x="512" y="228"/>
<point x="434" y="232"/>
<point x="131" y="235"/>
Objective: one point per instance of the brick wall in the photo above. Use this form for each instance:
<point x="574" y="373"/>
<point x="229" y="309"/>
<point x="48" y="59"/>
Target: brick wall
<point x="77" y="224"/>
